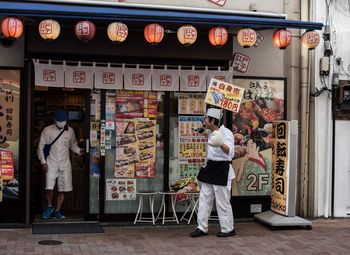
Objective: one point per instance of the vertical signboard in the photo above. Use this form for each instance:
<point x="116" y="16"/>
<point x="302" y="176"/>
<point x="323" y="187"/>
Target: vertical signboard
<point x="284" y="167"/>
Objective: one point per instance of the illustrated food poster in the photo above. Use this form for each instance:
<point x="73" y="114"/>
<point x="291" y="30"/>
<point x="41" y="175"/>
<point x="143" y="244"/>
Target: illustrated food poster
<point x="135" y="148"/>
<point x="136" y="104"/>
<point x="192" y="146"/>
<point x="120" y="189"/>
<point x="263" y="102"/>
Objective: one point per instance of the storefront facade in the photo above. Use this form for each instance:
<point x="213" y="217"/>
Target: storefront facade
<point x="138" y="135"/>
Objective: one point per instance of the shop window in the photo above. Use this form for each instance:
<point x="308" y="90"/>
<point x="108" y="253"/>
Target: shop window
<point x="134" y="150"/>
<point x="342" y="100"/>
<point x="9" y="135"/>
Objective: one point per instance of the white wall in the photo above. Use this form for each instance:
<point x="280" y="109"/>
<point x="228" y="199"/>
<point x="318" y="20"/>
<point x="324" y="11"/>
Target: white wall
<point x="12" y="56"/>
<point x="266" y="60"/>
<point x="342" y="170"/>
<point x="339" y="18"/>
<point x="273" y="6"/>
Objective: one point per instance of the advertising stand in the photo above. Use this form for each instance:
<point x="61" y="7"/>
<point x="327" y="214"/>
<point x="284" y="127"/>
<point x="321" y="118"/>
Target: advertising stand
<point x="283" y="197"/>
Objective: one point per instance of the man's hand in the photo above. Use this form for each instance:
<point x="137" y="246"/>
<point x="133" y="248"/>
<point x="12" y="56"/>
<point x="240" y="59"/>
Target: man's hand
<point x="216" y="139"/>
<point x="45" y="167"/>
<point x="81" y="152"/>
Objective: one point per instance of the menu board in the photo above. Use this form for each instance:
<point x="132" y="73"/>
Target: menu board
<point x="120" y="189"/>
<point x="192" y="146"/>
<point x="190" y="103"/>
<point x="135" y="148"/>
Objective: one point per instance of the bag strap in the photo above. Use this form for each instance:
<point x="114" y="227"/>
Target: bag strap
<point x="64" y="129"/>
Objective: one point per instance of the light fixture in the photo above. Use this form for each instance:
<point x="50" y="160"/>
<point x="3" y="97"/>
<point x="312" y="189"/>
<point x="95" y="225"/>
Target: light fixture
<point x="246" y="37"/>
<point x="49" y="29"/>
<point x="187" y="35"/>
<point x="85" y="30"/>
<point x="11" y="28"/>
<point x="117" y="32"/>
<point x="310" y="39"/>
<point x="153" y="33"/>
<point x="281" y="38"/>
<point x="218" y="36"/>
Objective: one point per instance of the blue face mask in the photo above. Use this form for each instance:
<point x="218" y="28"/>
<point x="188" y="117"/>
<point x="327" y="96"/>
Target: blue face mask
<point x="60" y="124"/>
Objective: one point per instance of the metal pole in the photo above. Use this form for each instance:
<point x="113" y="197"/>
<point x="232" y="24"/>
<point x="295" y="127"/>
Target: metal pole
<point x="334" y="104"/>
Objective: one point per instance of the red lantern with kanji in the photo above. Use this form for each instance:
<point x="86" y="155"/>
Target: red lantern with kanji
<point x="246" y="37"/>
<point x="310" y="39"/>
<point x="12" y="28"/>
<point x="154" y="33"/>
<point x="187" y="35"/>
<point x="218" y="36"/>
<point x="85" y="30"/>
<point x="281" y="38"/>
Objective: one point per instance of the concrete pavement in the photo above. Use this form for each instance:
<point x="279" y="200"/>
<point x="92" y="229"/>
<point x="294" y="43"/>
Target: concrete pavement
<point x="326" y="237"/>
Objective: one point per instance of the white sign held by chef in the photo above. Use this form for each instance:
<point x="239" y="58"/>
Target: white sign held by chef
<point x="224" y="95"/>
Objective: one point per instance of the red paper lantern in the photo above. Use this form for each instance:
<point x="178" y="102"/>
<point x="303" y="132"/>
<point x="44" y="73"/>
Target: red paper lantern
<point x="12" y="28"/>
<point x="281" y="38"/>
<point x="310" y="39"/>
<point x="218" y="36"/>
<point x="246" y="37"/>
<point x="85" y="30"/>
<point x="154" y="33"/>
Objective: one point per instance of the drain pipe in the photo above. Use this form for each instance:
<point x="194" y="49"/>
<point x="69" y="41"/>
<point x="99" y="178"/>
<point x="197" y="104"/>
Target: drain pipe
<point x="304" y="120"/>
<point x="335" y="83"/>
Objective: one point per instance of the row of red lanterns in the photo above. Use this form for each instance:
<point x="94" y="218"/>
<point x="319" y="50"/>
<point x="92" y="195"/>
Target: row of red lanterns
<point x="49" y="29"/>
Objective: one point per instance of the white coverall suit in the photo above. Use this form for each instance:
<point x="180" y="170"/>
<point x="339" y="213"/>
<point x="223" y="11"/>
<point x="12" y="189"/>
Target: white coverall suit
<point x="222" y="194"/>
<point x="58" y="162"/>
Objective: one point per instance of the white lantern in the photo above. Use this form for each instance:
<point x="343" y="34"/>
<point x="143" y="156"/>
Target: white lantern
<point x="49" y="29"/>
<point x="117" y="32"/>
<point x="187" y="34"/>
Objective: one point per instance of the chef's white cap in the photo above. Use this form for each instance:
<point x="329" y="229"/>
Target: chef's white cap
<point x="215" y="113"/>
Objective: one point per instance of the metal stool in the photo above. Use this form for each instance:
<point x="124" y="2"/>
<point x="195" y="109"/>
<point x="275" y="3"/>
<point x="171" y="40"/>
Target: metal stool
<point x="192" y="207"/>
<point x="162" y="209"/>
<point x="139" y="217"/>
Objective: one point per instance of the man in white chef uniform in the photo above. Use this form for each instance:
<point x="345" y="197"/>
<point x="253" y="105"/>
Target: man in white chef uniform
<point x="216" y="177"/>
<point x="57" y="165"/>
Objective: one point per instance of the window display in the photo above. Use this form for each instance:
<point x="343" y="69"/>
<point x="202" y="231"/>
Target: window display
<point x="9" y="134"/>
<point x="135" y="158"/>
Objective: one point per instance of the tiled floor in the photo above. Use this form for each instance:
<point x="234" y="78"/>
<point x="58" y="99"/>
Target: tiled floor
<point x="326" y="237"/>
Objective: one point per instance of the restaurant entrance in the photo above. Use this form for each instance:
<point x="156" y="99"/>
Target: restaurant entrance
<point x="77" y="104"/>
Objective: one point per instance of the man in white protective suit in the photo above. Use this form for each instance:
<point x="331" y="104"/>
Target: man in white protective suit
<point x="57" y="165"/>
<point x="216" y="177"/>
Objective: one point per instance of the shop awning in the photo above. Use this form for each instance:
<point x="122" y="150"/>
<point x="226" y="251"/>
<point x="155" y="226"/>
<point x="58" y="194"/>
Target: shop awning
<point x="28" y="9"/>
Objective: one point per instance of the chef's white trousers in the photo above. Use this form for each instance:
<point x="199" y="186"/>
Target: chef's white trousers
<point x="222" y="195"/>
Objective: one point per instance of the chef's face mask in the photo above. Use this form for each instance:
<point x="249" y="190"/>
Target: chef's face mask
<point x="60" y="124"/>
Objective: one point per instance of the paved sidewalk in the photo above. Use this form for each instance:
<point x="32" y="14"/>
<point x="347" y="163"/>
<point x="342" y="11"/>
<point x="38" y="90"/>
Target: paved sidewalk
<point x="326" y="237"/>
